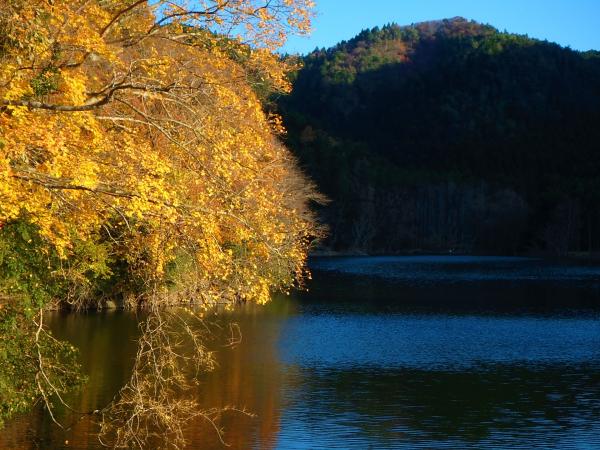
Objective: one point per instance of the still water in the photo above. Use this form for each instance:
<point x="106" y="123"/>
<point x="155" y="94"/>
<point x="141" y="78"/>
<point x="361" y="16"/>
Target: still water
<point x="399" y="352"/>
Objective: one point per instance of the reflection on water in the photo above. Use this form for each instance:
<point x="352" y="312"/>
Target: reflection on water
<point x="505" y="406"/>
<point x="419" y="352"/>
<point x="437" y="342"/>
<point x="422" y="270"/>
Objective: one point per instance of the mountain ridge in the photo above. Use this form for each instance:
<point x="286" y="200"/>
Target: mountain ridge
<point x="400" y="108"/>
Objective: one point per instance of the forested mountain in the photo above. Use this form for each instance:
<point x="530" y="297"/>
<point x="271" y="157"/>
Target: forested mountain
<point x="451" y="135"/>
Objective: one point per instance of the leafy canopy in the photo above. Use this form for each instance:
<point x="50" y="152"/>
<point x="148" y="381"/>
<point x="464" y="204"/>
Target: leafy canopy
<point x="137" y="163"/>
<point x="133" y="144"/>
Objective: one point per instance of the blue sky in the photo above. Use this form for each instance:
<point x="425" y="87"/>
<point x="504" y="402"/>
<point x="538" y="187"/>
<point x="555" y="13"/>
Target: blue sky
<point x="574" y="23"/>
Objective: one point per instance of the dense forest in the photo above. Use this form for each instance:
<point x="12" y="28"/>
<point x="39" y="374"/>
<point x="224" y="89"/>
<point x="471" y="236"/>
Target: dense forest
<point x="451" y="135"/>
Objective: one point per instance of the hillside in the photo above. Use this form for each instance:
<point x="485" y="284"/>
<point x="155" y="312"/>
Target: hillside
<point x="451" y="135"/>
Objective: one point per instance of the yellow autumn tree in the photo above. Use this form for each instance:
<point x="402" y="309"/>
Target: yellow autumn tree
<point x="136" y="162"/>
<point x="133" y="143"/>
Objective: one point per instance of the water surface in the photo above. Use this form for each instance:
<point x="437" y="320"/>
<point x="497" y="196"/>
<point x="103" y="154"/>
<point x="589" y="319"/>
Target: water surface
<point x="399" y="352"/>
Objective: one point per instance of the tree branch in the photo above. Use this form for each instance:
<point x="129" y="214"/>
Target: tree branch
<point x="91" y="104"/>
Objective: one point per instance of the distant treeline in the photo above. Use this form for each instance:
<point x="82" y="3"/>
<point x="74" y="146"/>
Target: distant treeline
<point x="451" y="135"/>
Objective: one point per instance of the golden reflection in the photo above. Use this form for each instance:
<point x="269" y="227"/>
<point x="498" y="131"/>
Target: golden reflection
<point x="249" y="377"/>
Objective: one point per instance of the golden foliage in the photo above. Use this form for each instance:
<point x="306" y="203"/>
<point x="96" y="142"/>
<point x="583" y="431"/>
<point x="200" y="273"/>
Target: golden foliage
<point x="137" y="124"/>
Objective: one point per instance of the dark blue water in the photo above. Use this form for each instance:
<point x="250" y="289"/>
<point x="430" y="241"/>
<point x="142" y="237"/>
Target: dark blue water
<point x="445" y="352"/>
<point x="437" y="270"/>
<point x="399" y="352"/>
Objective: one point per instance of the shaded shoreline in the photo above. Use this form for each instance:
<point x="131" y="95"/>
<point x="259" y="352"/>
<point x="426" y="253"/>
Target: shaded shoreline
<point x="593" y="257"/>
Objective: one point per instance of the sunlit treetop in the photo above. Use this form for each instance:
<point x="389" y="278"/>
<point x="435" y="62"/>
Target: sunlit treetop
<point x="137" y="125"/>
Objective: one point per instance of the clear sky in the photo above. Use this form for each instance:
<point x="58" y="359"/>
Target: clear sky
<point x="574" y="23"/>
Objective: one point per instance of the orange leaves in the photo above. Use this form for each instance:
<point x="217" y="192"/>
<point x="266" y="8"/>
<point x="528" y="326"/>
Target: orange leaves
<point x="138" y="124"/>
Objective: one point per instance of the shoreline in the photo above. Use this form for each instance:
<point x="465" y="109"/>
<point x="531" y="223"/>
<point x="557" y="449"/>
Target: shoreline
<point x="570" y="256"/>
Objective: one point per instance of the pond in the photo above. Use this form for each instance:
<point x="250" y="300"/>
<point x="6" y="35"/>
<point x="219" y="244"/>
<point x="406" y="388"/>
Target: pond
<point x="387" y="352"/>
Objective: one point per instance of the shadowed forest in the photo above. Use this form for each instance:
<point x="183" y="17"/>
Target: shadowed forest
<point x="451" y="135"/>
